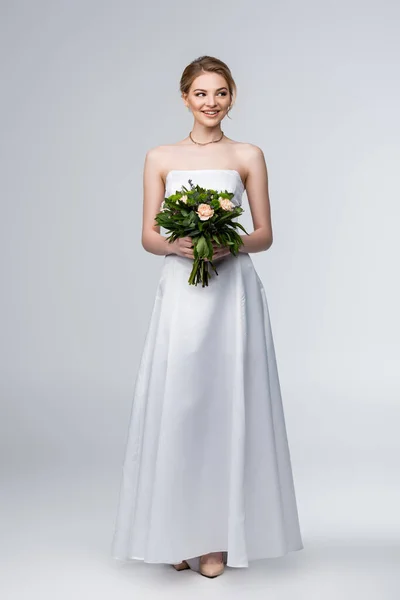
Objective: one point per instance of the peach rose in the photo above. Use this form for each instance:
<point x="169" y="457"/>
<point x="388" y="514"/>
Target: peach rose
<point x="225" y="203"/>
<point x="205" y="212"/>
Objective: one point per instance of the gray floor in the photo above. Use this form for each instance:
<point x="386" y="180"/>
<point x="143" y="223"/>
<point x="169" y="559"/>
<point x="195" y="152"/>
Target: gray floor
<point x="56" y="538"/>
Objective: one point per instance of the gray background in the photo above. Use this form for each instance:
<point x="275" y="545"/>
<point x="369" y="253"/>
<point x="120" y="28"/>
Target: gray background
<point x="87" y="89"/>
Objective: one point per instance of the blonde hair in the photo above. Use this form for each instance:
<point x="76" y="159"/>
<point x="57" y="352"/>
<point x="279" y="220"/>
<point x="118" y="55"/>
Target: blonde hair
<point x="207" y="64"/>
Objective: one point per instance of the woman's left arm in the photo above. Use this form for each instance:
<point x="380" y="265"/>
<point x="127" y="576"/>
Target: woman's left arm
<point x="258" y="196"/>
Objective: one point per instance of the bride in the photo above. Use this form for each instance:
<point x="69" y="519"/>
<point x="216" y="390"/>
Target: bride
<point x="207" y="477"/>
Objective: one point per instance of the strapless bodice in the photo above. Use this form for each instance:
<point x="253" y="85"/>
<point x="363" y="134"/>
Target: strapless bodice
<point x="216" y="179"/>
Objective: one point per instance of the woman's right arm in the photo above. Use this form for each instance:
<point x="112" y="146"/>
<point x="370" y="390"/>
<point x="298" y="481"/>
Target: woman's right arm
<point x="153" y="195"/>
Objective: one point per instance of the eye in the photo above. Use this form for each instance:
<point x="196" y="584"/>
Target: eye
<point x="202" y="93"/>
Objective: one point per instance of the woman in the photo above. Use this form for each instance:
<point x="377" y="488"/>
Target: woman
<point x="207" y="476"/>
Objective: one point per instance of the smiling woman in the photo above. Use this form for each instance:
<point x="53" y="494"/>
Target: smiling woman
<point x="207" y="477"/>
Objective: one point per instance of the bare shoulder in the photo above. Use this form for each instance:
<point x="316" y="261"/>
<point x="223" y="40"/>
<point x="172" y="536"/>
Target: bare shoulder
<point x="161" y="154"/>
<point x="251" y="152"/>
<point x="156" y="152"/>
<point x="156" y="159"/>
<point x="153" y="167"/>
<point x="252" y="159"/>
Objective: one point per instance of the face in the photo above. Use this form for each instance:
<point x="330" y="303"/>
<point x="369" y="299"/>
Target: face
<point x="209" y="93"/>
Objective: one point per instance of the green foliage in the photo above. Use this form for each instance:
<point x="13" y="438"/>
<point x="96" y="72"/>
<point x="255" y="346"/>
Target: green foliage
<point x="181" y="219"/>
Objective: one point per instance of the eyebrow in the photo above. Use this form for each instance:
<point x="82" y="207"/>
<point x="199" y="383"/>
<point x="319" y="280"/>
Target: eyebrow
<point x="200" y="90"/>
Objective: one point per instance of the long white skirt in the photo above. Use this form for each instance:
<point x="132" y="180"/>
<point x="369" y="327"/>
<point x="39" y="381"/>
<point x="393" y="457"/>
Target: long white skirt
<point x="207" y="465"/>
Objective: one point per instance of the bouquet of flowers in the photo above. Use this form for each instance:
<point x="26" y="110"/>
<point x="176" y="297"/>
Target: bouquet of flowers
<point x="204" y="215"/>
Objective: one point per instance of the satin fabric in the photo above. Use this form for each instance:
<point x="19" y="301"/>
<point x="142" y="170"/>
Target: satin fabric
<point x="207" y="465"/>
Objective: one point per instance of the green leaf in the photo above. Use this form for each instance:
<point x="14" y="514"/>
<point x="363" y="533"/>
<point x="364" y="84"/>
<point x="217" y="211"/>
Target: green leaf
<point x="236" y="224"/>
<point x="202" y="246"/>
<point x="210" y="249"/>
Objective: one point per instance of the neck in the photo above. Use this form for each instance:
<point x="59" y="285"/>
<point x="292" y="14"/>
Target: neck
<point x="203" y="134"/>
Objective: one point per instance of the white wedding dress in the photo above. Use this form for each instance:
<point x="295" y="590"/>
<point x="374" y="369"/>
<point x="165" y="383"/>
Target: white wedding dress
<point x="207" y="465"/>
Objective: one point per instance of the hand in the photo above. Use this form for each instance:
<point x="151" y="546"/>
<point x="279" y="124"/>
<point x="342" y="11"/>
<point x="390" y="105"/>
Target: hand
<point x="219" y="251"/>
<point x="184" y="247"/>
